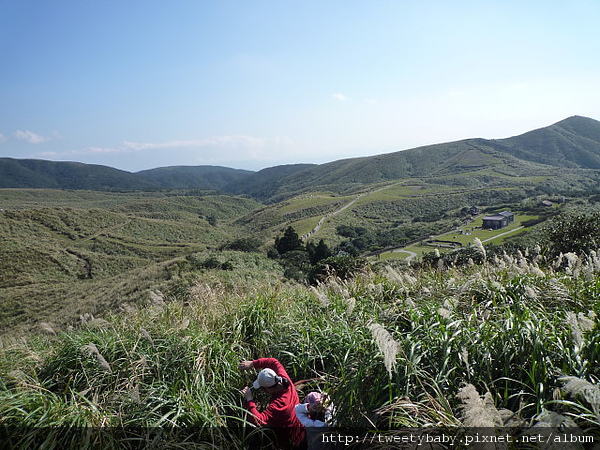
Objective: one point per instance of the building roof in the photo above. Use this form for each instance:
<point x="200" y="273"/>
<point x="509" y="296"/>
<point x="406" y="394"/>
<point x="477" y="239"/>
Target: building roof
<point x="499" y="216"/>
<point x="496" y="217"/>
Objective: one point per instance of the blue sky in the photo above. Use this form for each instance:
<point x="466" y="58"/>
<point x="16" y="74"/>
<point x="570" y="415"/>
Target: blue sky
<point x="251" y="84"/>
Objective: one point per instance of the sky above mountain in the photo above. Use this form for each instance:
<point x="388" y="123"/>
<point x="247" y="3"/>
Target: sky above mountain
<point x="251" y="84"/>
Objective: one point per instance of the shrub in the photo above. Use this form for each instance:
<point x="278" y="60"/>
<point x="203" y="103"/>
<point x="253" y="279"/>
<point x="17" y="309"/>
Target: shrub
<point x="342" y="267"/>
<point x="574" y="233"/>
<point x="243" y="245"/>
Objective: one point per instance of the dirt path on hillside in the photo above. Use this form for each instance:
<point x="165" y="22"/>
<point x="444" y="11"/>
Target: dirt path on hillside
<point x="322" y="220"/>
<point x="106" y="230"/>
<point x="411" y="255"/>
<point x="502" y="234"/>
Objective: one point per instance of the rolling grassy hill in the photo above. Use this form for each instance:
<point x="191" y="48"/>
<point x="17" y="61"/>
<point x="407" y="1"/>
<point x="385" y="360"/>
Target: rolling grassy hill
<point x="506" y="347"/>
<point x="573" y="143"/>
<point x="65" y="253"/>
<point x="124" y="309"/>
<point x="77" y="246"/>
<point x="34" y="173"/>
<point x="194" y="177"/>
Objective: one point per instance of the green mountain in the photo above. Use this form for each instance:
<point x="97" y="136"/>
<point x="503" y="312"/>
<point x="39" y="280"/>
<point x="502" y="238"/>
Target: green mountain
<point x="573" y="143"/>
<point x="195" y="177"/>
<point x="37" y="173"/>
<point x="267" y="182"/>
<point x="34" y="173"/>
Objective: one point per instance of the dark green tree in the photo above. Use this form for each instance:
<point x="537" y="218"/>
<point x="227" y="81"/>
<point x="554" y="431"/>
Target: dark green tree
<point x="289" y="242"/>
<point x="212" y="220"/>
<point x="347" y="247"/>
<point x="318" y="252"/>
<point x="297" y="265"/>
<point x="244" y="244"/>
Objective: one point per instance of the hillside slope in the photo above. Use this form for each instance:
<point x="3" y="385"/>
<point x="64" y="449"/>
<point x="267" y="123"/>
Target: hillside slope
<point x="195" y="177"/>
<point x="573" y="142"/>
<point x="266" y="183"/>
<point x="38" y="173"/>
<point x="64" y="252"/>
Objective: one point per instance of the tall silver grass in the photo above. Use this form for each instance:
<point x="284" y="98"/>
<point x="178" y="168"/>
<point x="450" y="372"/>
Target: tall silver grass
<point x="47" y="328"/>
<point x="93" y="350"/>
<point x="590" y="392"/>
<point x="478" y="411"/>
<point x="320" y="295"/>
<point x="387" y="345"/>
<point x="480" y="248"/>
<point x="580" y="324"/>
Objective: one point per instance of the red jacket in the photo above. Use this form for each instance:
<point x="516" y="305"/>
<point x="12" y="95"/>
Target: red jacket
<point x="279" y="413"/>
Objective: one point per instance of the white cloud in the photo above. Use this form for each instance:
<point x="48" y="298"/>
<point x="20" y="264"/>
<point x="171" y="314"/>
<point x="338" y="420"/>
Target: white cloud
<point x="216" y="149"/>
<point x="340" y="97"/>
<point x="86" y="151"/>
<point x="102" y="150"/>
<point x="227" y="141"/>
<point x="2" y="138"/>
<point x="31" y="137"/>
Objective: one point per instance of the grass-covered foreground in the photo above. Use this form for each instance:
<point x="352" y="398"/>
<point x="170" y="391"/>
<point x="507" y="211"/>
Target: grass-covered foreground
<point x="513" y="342"/>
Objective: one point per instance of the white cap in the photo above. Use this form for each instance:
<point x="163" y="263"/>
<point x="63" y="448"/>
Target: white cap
<point x="266" y="378"/>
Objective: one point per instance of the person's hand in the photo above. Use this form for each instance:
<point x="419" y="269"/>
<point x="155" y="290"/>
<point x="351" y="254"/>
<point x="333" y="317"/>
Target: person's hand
<point x="245" y="365"/>
<point x="247" y="393"/>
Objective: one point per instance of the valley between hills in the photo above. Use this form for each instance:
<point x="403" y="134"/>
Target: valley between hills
<point x="57" y="243"/>
<point x="128" y="299"/>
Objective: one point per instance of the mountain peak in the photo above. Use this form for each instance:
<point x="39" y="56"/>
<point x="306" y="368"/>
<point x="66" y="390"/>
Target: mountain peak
<point x="583" y="127"/>
<point x="578" y="120"/>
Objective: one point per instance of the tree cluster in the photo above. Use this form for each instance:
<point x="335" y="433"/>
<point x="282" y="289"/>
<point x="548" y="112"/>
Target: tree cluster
<point x="312" y="263"/>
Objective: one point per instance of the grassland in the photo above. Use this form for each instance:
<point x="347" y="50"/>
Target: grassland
<point x="399" y="208"/>
<point x="69" y="253"/>
<point x="59" y="247"/>
<point x="120" y="310"/>
<point x="512" y="343"/>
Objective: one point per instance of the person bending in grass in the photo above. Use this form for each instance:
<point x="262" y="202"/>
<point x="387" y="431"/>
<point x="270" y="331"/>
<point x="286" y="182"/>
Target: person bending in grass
<point x="279" y="414"/>
<point x="316" y="414"/>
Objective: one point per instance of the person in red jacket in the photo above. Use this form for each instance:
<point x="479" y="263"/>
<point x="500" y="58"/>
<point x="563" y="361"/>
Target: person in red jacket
<point x="279" y="414"/>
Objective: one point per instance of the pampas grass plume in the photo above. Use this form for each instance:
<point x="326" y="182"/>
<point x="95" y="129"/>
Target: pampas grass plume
<point x="46" y="328"/>
<point x="321" y="296"/>
<point x="589" y="391"/>
<point x="479" y="246"/>
<point x="478" y="411"/>
<point x="92" y="349"/>
<point x="387" y="345"/>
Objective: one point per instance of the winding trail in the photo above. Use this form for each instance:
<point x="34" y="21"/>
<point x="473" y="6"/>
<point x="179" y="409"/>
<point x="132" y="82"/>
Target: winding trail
<point x="321" y="221"/>
<point x="502" y="234"/>
<point x="411" y="255"/>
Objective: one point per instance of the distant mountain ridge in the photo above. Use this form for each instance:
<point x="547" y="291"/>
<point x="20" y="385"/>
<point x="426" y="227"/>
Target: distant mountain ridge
<point x="572" y="143"/>
<point x="42" y="174"/>
<point x="195" y="177"/>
